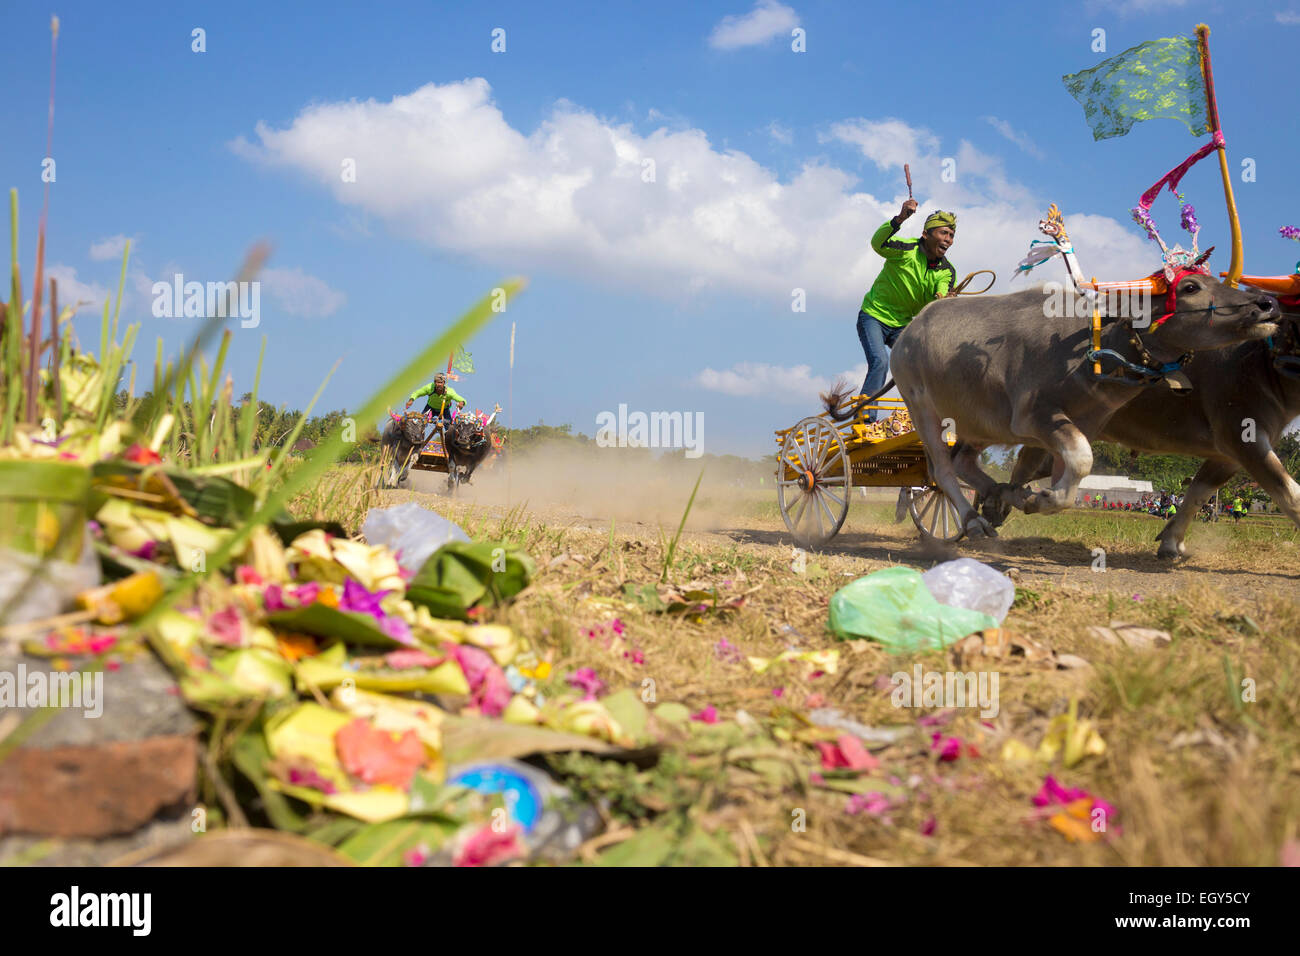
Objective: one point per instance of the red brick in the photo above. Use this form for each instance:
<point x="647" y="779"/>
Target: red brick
<point x="93" y="791"/>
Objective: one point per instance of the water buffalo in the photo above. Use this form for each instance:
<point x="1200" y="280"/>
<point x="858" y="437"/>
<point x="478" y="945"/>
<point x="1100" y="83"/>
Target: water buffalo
<point x="402" y="438"/>
<point x="1231" y="389"/>
<point x="467" y="441"/>
<point x="1007" y="370"/>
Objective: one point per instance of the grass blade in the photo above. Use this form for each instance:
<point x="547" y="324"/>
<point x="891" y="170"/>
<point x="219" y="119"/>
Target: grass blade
<point x="672" y="547"/>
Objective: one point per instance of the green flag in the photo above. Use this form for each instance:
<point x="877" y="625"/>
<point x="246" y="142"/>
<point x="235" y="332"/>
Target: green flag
<point x="1160" y="79"/>
<point x="463" y="362"/>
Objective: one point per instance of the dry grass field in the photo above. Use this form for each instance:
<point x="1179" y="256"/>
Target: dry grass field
<point x="1192" y="745"/>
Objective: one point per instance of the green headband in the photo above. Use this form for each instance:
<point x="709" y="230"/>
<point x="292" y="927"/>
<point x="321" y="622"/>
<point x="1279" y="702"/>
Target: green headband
<point x="941" y="218"/>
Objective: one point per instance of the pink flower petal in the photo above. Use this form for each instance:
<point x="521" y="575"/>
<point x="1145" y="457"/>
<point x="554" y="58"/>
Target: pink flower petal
<point x="586" y="680"/>
<point x="709" y="715"/>
<point x="1290" y="855"/>
<point x="949" y="747"/>
<point x="936" y="720"/>
<point x="855" y="755"/>
<point x="401" y="660"/>
<point x="247" y="574"/>
<point x="832" y="759"/>
<point x="486" y="847"/>
<point x="226" y="627"/>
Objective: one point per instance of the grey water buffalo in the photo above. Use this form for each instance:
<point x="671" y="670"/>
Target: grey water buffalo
<point x="401" y="439"/>
<point x="1242" y="398"/>
<point x="1006" y="370"/>
<point x="467" y="441"/>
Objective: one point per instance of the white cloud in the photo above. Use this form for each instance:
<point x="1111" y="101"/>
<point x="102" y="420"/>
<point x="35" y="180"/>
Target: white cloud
<point x="888" y="143"/>
<point x="749" y="380"/>
<point x="794" y="385"/>
<point x="1020" y="139"/>
<point x="300" y="294"/>
<point x="766" y="21"/>
<point x="110" y="248"/>
<point x="1287" y="18"/>
<point x="781" y="134"/>
<point x="73" y="292"/>
<point x="442" y="166"/>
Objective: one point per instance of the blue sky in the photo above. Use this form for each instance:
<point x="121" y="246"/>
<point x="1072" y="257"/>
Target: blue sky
<point x="771" y="169"/>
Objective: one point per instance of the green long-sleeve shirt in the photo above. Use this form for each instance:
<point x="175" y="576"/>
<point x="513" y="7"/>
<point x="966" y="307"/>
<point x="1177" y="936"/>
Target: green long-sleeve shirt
<point x="436" y="402"/>
<point x="908" y="280"/>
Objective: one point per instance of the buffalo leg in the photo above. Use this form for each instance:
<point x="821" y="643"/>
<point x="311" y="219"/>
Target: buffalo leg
<point x="966" y="462"/>
<point x="942" y="471"/>
<point x="1031" y="464"/>
<point x="1072" y="450"/>
<point x="988" y="493"/>
<point x="1277" y="484"/>
<point x="1266" y="468"/>
<point x="1208" y="479"/>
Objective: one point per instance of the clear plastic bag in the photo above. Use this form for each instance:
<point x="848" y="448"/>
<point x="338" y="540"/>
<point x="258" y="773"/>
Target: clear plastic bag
<point x="412" y="531"/>
<point x="973" y="585"/>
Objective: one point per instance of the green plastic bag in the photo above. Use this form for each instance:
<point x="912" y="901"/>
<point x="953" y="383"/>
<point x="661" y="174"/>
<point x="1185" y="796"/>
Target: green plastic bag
<point x="460" y="575"/>
<point x="895" y="607"/>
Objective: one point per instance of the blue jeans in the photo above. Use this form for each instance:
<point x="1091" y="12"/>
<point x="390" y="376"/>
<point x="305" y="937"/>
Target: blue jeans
<point x="876" y="339"/>
<point x="447" y="411"/>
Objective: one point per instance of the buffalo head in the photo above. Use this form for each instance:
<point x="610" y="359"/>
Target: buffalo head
<point x="1198" y="312"/>
<point x="413" y="426"/>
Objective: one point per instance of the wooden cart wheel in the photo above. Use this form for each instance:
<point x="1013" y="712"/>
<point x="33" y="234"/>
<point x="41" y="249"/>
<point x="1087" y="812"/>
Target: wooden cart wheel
<point x="813" y="481"/>
<point x="934" y="515"/>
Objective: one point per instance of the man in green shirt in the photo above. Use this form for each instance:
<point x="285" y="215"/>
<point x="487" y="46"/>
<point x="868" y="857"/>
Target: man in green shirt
<point x="1238" y="509"/>
<point x="916" y="272"/>
<point x="441" y="397"/>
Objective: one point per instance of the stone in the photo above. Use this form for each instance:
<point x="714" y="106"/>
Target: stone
<point x="90" y="772"/>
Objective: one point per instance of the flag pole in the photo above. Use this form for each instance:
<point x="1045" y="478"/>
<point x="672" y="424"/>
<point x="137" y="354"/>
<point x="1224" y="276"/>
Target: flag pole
<point x="1212" y="113"/>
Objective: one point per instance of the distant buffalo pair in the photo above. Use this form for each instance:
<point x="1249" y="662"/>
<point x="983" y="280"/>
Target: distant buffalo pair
<point x="466" y="442"/>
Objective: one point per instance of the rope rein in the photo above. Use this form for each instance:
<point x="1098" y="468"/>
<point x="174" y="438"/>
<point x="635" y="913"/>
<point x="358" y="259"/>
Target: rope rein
<point x="959" y="288"/>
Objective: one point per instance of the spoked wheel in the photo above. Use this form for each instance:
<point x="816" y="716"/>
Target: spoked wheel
<point x="934" y="515"/>
<point x="813" y="481"/>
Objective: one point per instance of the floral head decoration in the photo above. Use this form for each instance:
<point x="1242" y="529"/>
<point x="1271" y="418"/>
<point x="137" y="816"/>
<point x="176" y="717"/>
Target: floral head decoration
<point x="1176" y="259"/>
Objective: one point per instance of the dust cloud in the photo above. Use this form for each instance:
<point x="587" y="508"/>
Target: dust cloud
<point x="626" y="484"/>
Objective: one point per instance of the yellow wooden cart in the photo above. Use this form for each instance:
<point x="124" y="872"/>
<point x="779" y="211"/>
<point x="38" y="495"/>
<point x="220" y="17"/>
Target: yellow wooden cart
<point x="822" y="460"/>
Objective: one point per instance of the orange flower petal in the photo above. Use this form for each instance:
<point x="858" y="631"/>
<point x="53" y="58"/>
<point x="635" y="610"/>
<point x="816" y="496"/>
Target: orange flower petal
<point x="376" y="756"/>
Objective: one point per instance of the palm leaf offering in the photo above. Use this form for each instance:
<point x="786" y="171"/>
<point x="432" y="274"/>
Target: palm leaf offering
<point x="326" y="674"/>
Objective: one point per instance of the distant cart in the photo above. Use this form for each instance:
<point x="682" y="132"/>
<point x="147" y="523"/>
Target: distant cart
<point x="428" y="454"/>
<point x="821" y="460"/>
<point x="432" y="456"/>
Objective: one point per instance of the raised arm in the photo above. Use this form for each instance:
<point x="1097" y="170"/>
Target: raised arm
<point x="890" y="248"/>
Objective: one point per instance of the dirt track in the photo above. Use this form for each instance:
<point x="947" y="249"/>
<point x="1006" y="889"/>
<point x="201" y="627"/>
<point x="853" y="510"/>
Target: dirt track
<point x="1240" y="574"/>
